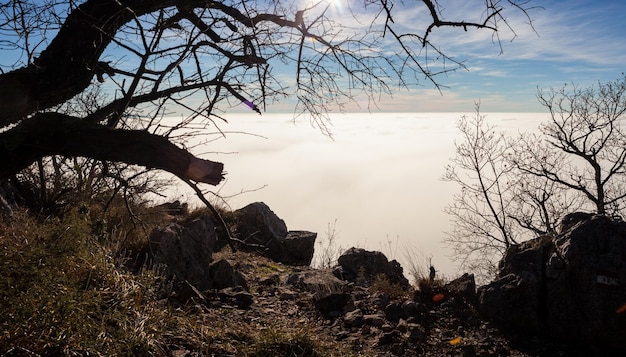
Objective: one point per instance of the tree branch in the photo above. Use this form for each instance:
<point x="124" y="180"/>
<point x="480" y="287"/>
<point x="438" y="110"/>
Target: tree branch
<point x="67" y="66"/>
<point x="57" y="134"/>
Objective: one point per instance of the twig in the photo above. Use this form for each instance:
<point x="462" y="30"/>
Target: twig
<point x="220" y="221"/>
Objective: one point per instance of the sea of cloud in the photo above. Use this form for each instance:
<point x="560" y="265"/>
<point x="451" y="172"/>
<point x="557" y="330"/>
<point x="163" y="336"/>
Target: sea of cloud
<point x="378" y="179"/>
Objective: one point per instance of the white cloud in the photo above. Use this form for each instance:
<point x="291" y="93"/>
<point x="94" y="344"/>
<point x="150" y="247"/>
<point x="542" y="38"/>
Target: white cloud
<point x="577" y="41"/>
<point x="565" y="33"/>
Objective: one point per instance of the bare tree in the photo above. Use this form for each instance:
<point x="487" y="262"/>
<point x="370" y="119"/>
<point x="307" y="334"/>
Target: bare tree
<point x="482" y="227"/>
<point x="586" y="130"/>
<point x="56" y="182"/>
<point x="517" y="188"/>
<point x="538" y="203"/>
<point x="498" y="205"/>
<point x="155" y="58"/>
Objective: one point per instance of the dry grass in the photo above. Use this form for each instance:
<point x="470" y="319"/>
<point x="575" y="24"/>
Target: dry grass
<point x="329" y="250"/>
<point x="65" y="291"/>
<point x="382" y="284"/>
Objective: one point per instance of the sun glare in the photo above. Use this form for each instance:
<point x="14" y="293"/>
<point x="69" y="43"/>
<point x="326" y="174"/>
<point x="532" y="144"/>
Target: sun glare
<point x="338" y="6"/>
<point x="333" y="7"/>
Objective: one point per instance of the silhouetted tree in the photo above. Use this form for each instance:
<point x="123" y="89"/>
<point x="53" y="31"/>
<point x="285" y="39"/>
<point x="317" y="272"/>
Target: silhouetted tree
<point x="158" y="57"/>
<point x="586" y="130"/>
<point x="481" y="223"/>
<point x="517" y="188"/>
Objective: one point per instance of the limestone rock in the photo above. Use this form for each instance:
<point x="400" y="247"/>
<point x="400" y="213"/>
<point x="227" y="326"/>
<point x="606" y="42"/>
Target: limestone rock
<point x="394" y="311"/>
<point x="567" y="287"/>
<point x="572" y="219"/>
<point x="354" y="318"/>
<point x="222" y="275"/>
<point x="362" y="266"/>
<point x="463" y="287"/>
<point x="331" y="303"/>
<point x="512" y="302"/>
<point x="330" y="295"/>
<point x="262" y="230"/>
<point x="298" y="248"/>
<point x="185" y="251"/>
<point x="316" y="282"/>
<point x="258" y="225"/>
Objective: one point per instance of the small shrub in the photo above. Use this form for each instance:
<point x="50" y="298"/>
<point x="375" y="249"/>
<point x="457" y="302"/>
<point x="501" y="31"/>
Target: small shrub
<point x="382" y="284"/>
<point x="417" y="264"/>
<point x="427" y="287"/>
<point x="326" y="257"/>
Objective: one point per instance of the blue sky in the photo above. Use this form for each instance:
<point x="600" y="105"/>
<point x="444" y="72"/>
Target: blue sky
<point x="573" y="41"/>
<point x="576" y="41"/>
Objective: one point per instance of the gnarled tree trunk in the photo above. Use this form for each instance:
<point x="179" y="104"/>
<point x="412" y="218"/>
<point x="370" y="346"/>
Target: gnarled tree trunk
<point x="57" y="134"/>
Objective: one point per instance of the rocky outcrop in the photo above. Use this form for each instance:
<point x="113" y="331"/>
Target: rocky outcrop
<point x="260" y="229"/>
<point x="371" y="322"/>
<point x="185" y="251"/>
<point x="441" y="320"/>
<point x="257" y="224"/>
<point x="362" y="267"/>
<point x="569" y="287"/>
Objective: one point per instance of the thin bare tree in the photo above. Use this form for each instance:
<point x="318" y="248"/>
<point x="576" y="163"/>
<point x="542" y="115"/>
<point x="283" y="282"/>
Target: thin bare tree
<point x="482" y="228"/>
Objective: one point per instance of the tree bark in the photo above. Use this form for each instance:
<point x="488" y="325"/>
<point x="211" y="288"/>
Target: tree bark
<point x="57" y="134"/>
<point x="64" y="69"/>
<point x="67" y="66"/>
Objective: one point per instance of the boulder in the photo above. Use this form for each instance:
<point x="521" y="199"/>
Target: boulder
<point x="258" y="225"/>
<point x="259" y="228"/>
<point x="316" y="282"/>
<point x="567" y="287"/>
<point x="362" y="267"/>
<point x="298" y="248"/>
<point x="463" y="287"/>
<point x="512" y="302"/>
<point x="185" y="251"/>
<point x="331" y="304"/>
<point x="222" y="275"/>
<point x="330" y="295"/>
